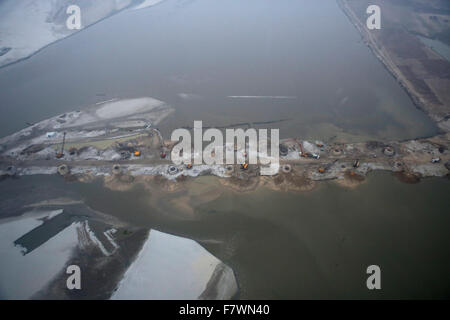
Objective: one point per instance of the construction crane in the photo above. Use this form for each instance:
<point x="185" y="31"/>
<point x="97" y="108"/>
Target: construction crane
<point x="302" y="153"/>
<point x="59" y="155"/>
<point x="161" y="143"/>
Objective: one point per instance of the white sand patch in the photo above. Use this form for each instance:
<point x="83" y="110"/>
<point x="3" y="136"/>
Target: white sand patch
<point x="128" y="107"/>
<point x="163" y="170"/>
<point x="93" y="238"/>
<point x="310" y="147"/>
<point x="109" y="234"/>
<point x="168" y="267"/>
<point x="70" y="136"/>
<point x="23" y="28"/>
<point x="37" y="170"/>
<point x="147" y="3"/>
<point x="54" y="214"/>
<point x="22" y="276"/>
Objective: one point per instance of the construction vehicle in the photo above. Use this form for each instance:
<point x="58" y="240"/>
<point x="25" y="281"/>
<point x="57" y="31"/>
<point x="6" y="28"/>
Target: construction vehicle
<point x="312" y="155"/>
<point x="60" y="154"/>
<point x="435" y="160"/>
<point x="72" y="151"/>
<point x="306" y="154"/>
<point x="322" y="170"/>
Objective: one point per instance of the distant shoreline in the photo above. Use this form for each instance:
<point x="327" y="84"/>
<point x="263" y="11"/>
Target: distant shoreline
<point x="129" y="7"/>
<point x="392" y="68"/>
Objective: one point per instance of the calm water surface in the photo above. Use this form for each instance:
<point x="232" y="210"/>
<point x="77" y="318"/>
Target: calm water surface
<point x="316" y="244"/>
<point x="195" y="54"/>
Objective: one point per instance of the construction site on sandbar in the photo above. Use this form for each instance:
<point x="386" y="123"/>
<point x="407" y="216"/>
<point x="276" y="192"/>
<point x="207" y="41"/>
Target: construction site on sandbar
<point x="120" y="139"/>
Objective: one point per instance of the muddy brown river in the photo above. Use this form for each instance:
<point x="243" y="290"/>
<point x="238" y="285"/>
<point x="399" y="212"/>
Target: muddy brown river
<point x="315" y="244"/>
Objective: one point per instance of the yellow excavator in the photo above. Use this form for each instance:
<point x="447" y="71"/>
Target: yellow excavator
<point x="324" y="169"/>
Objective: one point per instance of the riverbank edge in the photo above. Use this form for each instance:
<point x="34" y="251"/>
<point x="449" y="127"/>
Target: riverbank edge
<point x="32" y="54"/>
<point x="392" y="68"/>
